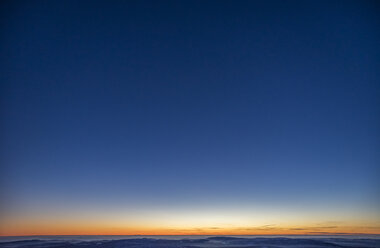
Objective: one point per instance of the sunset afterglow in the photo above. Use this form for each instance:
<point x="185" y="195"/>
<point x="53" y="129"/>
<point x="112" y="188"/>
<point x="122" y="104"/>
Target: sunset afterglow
<point x="189" y="117"/>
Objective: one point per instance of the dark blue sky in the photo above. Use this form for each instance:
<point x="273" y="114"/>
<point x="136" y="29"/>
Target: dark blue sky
<point x="203" y="103"/>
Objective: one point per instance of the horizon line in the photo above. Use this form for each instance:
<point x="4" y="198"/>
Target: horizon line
<point x="306" y="234"/>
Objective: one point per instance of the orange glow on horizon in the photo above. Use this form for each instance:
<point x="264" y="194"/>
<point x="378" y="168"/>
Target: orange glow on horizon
<point x="185" y="223"/>
<point x="266" y="230"/>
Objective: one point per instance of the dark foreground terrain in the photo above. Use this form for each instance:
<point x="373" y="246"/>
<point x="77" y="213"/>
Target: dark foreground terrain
<point x="211" y="242"/>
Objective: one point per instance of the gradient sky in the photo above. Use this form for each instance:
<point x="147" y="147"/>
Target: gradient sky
<point x="189" y="117"/>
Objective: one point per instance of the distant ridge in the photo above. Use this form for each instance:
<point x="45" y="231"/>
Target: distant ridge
<point x="209" y="242"/>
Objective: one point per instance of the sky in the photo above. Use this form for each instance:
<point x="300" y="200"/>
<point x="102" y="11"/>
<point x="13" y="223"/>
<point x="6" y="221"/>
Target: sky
<point x="189" y="117"/>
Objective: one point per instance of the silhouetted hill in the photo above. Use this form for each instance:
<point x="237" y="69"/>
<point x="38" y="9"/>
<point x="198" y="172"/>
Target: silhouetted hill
<point x="212" y="242"/>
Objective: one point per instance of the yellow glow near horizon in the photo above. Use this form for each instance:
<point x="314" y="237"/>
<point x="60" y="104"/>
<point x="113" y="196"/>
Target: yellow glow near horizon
<point x="186" y="223"/>
<point x="82" y="229"/>
<point x="199" y="220"/>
